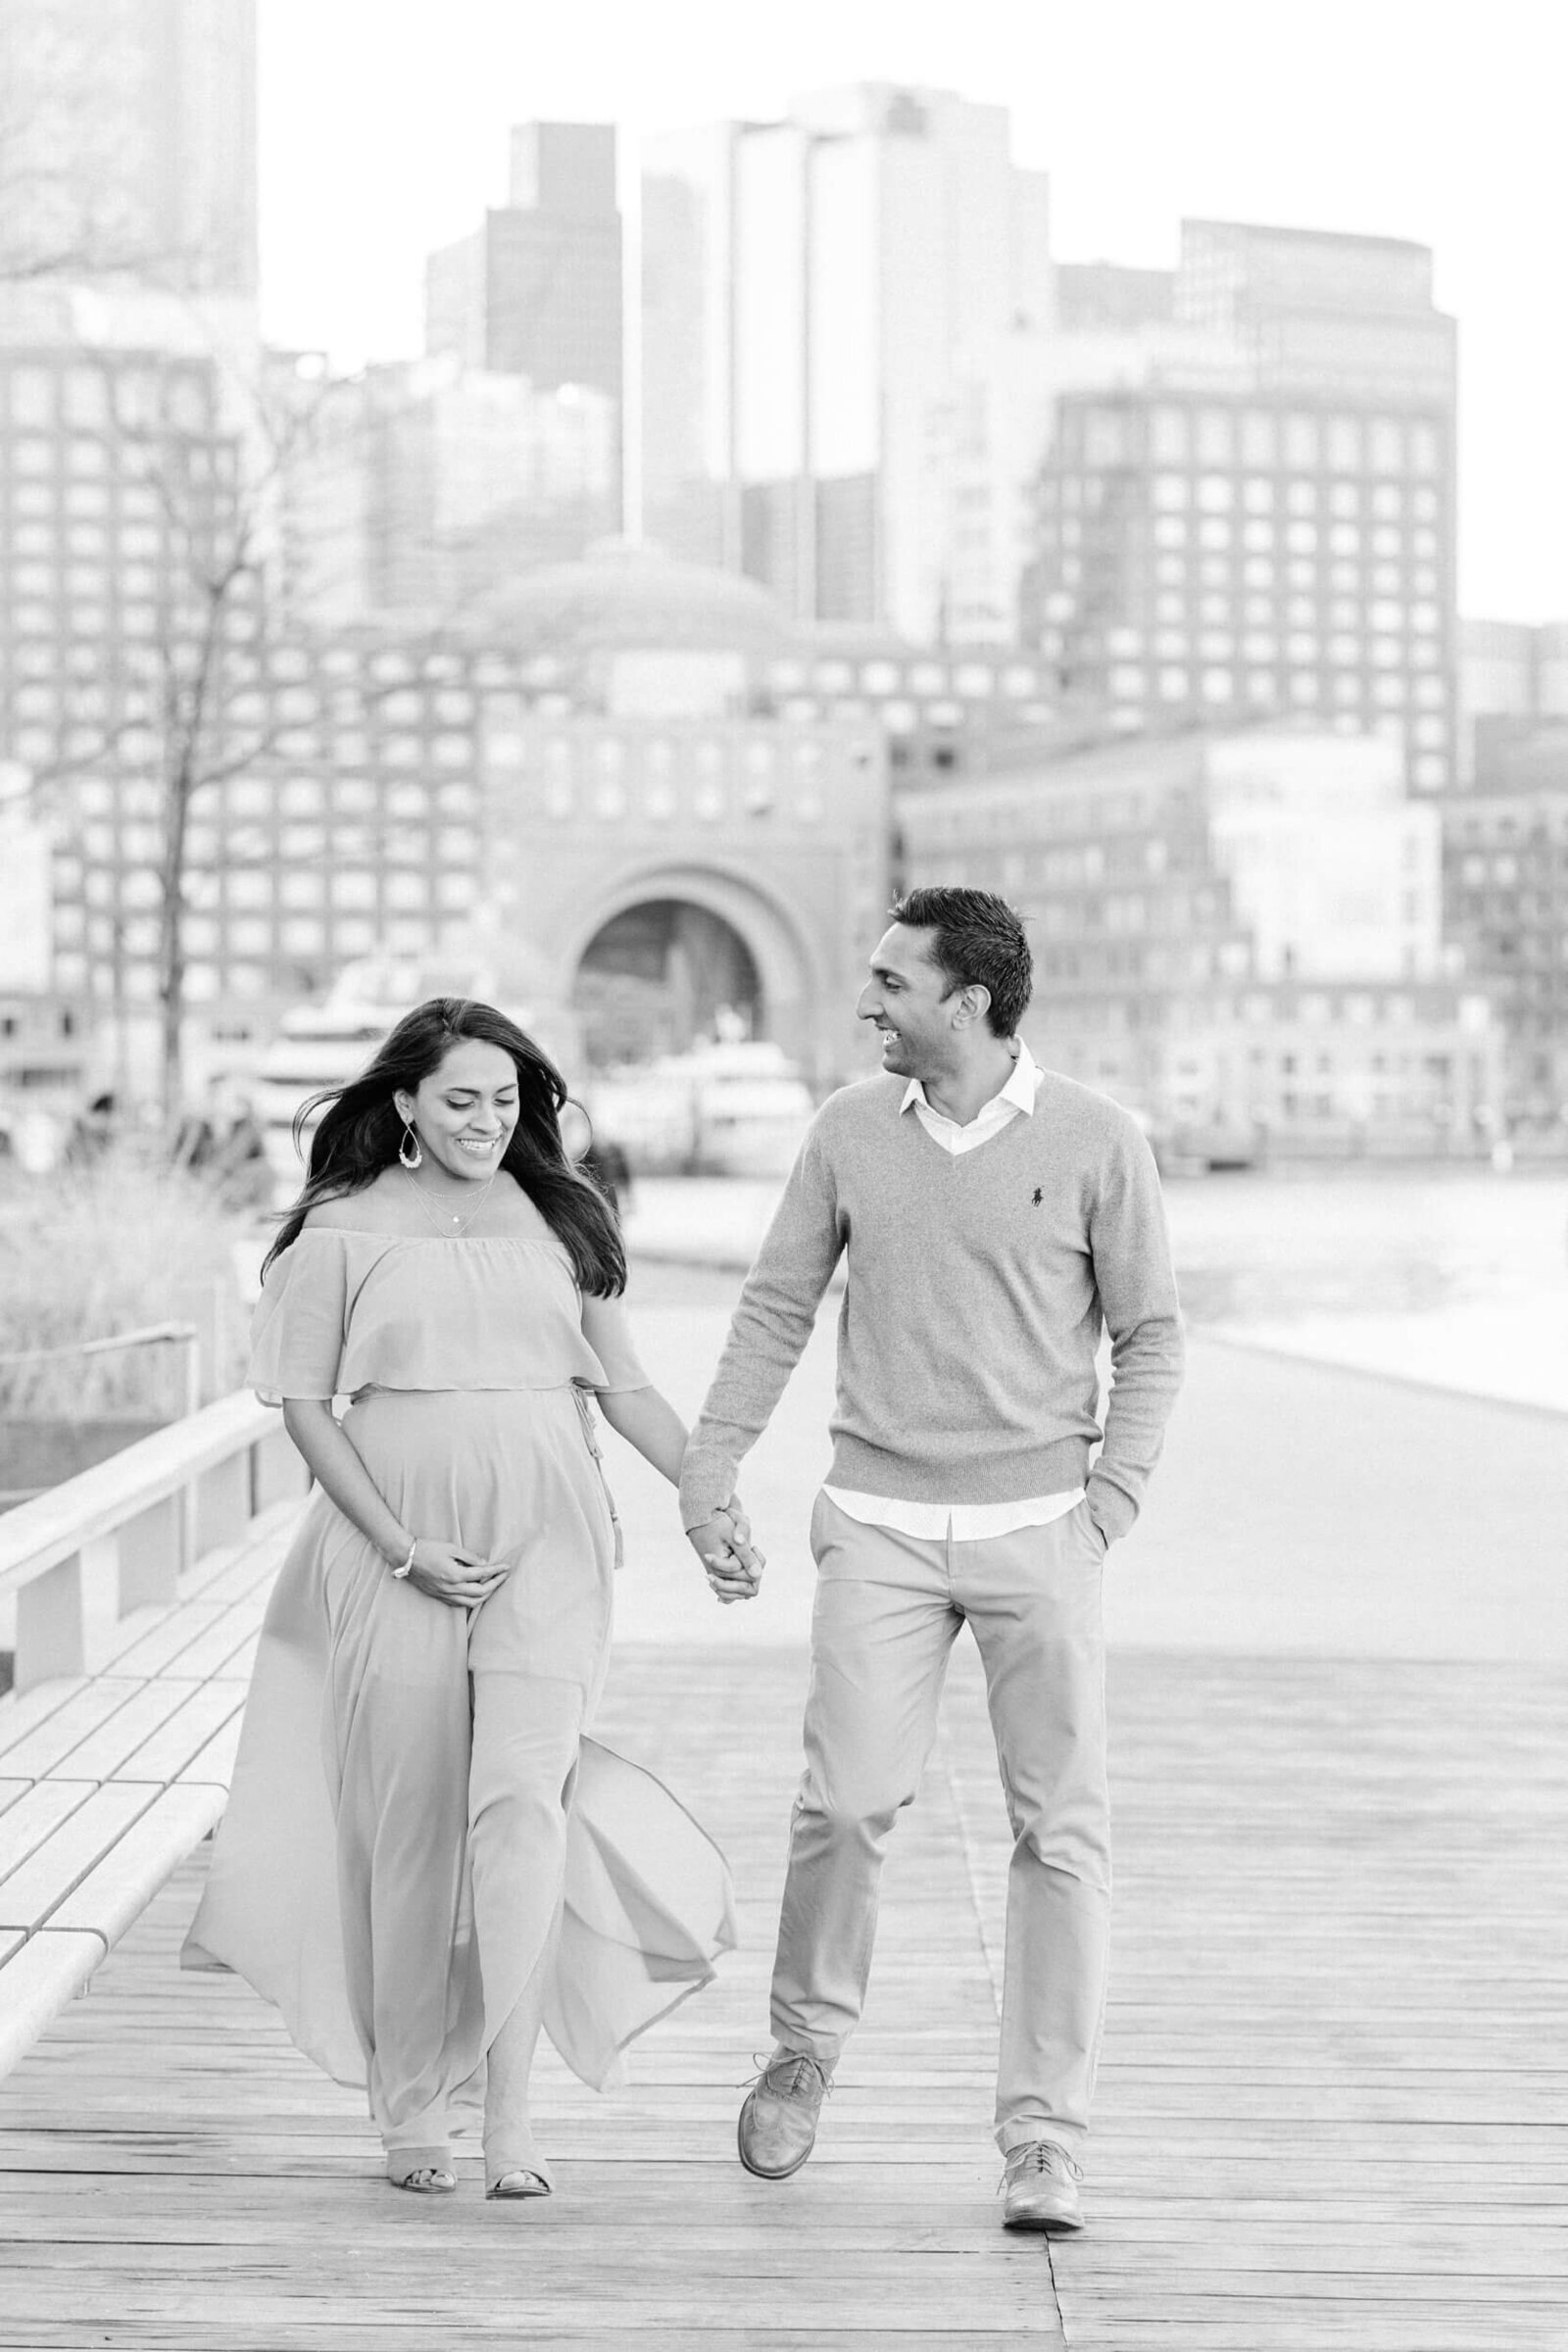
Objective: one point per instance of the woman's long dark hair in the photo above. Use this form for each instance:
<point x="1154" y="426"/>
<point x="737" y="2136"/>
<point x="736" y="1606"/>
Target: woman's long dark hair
<point x="359" y="1132"/>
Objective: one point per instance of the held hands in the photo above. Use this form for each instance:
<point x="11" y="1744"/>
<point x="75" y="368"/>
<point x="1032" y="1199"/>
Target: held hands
<point x="460" y="1579"/>
<point x="724" y="1544"/>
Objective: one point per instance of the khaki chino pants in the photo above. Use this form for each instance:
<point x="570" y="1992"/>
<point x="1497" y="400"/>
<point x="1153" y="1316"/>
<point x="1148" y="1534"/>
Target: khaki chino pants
<point x="888" y="1611"/>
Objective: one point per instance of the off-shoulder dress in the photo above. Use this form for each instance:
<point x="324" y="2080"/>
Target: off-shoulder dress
<point x="415" y="1810"/>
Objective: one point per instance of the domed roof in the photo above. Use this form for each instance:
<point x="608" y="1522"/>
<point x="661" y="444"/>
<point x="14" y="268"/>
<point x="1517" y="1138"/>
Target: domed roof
<point x="623" y="598"/>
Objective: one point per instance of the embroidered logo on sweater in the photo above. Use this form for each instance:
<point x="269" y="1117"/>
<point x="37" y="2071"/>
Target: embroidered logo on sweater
<point x="1039" y="1194"/>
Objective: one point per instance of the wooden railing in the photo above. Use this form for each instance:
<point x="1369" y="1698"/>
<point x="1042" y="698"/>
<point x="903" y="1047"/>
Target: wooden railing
<point x="139" y="1588"/>
<point x="119" y="1536"/>
<point x="182" y="1337"/>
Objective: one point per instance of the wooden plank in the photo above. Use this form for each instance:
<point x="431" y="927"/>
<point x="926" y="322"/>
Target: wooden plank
<point x="119" y="1886"/>
<point x="21" y="1710"/>
<point x="214" y="1763"/>
<point x="343" y="2331"/>
<point x="184" y="1733"/>
<point x="35" y="1889"/>
<point x="255" y="1554"/>
<point x="263" y="2211"/>
<point x="1248" y="2327"/>
<point x="222" y="1649"/>
<point x="41" y="1738"/>
<point x="11" y="1791"/>
<point x="106" y="1747"/>
<point x="168" y="1635"/>
<point x="26" y="1826"/>
<point x="248" y="1573"/>
<point x="903" y="2301"/>
<point x="33" y="1983"/>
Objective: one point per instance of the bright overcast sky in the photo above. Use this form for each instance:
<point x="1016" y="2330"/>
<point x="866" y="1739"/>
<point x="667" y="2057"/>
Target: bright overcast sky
<point x="385" y="121"/>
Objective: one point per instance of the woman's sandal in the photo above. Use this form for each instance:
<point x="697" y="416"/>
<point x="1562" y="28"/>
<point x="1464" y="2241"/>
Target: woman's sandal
<point x="426" y="2171"/>
<point x="521" y="2180"/>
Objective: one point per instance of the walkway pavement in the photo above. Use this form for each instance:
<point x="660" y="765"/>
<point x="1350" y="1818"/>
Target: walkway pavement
<point x="1331" y="2110"/>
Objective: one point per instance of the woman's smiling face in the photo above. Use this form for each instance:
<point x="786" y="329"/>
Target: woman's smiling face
<point x="464" y="1111"/>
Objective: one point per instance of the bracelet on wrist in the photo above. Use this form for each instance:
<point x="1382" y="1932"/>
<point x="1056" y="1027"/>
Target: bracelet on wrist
<point x="403" y="1571"/>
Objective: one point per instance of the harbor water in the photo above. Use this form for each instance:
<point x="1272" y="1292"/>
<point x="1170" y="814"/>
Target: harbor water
<point x="1454" y="1277"/>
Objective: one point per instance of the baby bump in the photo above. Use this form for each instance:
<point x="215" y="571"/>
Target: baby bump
<point x="508" y="1475"/>
<point x="489" y="1469"/>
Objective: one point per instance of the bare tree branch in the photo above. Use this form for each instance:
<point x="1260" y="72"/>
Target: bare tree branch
<point x="183" y="702"/>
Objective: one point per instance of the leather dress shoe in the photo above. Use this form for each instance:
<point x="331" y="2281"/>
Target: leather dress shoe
<point x="1041" y="2185"/>
<point x="777" y="2128"/>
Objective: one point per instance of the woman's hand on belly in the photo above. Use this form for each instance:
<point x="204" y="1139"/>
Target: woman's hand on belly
<point x="446" y="1572"/>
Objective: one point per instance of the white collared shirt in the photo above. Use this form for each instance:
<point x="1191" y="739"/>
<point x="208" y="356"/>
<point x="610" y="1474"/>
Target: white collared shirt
<point x="964" y="1522"/>
<point x="1015" y="1098"/>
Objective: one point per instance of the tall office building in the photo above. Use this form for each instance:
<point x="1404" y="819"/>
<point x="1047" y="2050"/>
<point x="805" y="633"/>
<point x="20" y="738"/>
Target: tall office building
<point x="1237" y="935"/>
<point x="537" y="290"/>
<point x="1514" y="682"/>
<point x="119" y="500"/>
<point x="1274" y="534"/>
<point x="127" y="142"/>
<point x="423" y="486"/>
<point x="1108" y="298"/>
<point x="1506" y="906"/>
<point x="1506" y="842"/>
<point x="1350" y="318"/>
<point x="845" y="320"/>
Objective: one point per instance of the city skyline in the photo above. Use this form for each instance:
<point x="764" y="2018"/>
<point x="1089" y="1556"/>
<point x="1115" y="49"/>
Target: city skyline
<point x="1394" y="127"/>
<point x="1241" y="511"/>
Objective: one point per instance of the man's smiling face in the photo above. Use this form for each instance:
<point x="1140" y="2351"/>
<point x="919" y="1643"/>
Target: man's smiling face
<point x="910" y="999"/>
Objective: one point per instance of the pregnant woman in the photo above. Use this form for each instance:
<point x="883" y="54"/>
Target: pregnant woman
<point x="424" y="1861"/>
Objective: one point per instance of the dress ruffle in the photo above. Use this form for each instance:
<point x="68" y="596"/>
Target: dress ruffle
<point x="648" y="1910"/>
<point x="342" y="1311"/>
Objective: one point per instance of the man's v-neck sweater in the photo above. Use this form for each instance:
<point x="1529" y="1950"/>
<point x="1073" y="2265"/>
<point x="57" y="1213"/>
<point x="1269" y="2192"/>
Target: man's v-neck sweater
<point x="977" y="1289"/>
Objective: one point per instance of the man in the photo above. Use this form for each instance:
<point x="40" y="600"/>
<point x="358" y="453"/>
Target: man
<point x="995" y="1216"/>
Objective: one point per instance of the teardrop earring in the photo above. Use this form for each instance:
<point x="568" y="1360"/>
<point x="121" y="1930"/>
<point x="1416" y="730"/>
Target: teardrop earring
<point x="408" y="1159"/>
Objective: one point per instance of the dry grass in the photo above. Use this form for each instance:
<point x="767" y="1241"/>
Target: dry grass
<point x="85" y="1254"/>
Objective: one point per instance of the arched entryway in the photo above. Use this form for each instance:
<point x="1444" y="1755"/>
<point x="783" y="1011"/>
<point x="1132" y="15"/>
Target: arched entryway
<point x="659" y="976"/>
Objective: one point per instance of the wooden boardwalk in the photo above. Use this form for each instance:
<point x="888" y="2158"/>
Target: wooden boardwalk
<point x="1331" y="2110"/>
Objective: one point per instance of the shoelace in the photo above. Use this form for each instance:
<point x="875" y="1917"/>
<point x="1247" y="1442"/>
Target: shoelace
<point x="789" y="2077"/>
<point x="1038" y="2156"/>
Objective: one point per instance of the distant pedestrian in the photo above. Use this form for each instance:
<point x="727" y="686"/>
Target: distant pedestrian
<point x="992" y="1217"/>
<point x="607" y="1163"/>
<point x="240" y="1165"/>
<point x="92" y="1132"/>
<point x="425" y="1862"/>
<point x="195" y="1143"/>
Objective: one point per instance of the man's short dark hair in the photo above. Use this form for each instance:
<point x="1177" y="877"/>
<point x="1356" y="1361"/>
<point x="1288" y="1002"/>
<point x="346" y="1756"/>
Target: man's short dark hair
<point x="979" y="942"/>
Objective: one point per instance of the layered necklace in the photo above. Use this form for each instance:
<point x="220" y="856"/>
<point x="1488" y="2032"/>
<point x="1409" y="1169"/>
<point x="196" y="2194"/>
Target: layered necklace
<point x="454" y="1227"/>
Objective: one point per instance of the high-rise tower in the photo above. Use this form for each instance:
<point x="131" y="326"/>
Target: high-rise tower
<point x="1272" y="534"/>
<point x="843" y="316"/>
<point x="537" y="290"/>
